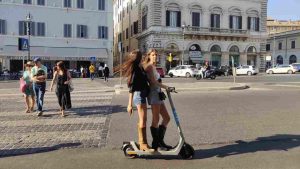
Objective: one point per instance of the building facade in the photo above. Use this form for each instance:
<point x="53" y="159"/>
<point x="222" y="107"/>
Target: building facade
<point x="193" y="32"/>
<point x="75" y="31"/>
<point x="287" y="48"/>
<point x="278" y="26"/>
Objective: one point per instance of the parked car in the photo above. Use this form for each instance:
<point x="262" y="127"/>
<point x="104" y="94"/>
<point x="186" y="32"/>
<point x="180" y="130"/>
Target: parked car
<point x="74" y="73"/>
<point x="161" y="71"/>
<point x="183" y="71"/>
<point x="282" y="69"/>
<point x="246" y="70"/>
<point x="223" y="71"/>
<point x="296" y="66"/>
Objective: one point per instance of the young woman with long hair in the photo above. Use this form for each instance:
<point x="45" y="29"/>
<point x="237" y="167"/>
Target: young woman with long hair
<point x="62" y="79"/>
<point x="155" y="99"/>
<point x="138" y="85"/>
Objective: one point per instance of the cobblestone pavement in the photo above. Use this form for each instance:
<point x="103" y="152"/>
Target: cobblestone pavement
<point x="86" y="125"/>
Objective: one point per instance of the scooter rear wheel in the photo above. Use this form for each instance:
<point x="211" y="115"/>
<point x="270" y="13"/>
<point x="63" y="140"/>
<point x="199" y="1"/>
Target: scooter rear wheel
<point x="126" y="148"/>
<point x="187" y="151"/>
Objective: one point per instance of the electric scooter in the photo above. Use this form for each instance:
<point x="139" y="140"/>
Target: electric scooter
<point x="186" y="151"/>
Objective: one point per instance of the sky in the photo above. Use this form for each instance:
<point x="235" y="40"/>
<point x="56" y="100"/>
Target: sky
<point x="284" y="9"/>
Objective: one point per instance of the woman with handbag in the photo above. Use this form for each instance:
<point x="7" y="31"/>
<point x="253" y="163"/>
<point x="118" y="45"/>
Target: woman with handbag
<point x="156" y="100"/>
<point x="138" y="92"/>
<point x="28" y="92"/>
<point x="62" y="78"/>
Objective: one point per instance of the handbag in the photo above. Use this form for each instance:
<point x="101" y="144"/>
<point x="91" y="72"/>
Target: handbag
<point x="71" y="86"/>
<point x="22" y="85"/>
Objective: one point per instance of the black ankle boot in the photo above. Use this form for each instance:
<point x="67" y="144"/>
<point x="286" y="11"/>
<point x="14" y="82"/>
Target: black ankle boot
<point x="154" y="133"/>
<point x="161" y="134"/>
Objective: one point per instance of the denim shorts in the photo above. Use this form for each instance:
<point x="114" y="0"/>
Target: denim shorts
<point x="139" y="97"/>
<point x="153" y="97"/>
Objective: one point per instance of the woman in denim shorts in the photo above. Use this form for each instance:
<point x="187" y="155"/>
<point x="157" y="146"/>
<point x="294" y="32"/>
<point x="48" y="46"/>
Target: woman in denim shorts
<point x="155" y="99"/>
<point x="138" y="92"/>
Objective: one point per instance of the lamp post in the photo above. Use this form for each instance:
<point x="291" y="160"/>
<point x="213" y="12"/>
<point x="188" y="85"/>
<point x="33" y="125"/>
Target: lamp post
<point x="273" y="57"/>
<point x="183" y="28"/>
<point x="28" y="19"/>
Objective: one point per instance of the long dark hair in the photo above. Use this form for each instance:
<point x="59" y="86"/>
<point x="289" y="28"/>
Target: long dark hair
<point x="133" y="60"/>
<point x="62" y="66"/>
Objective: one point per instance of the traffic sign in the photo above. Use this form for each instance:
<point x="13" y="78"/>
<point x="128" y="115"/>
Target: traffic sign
<point x="23" y="44"/>
<point x="93" y="58"/>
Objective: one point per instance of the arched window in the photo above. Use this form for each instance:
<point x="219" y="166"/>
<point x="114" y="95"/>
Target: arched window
<point x="293" y="59"/>
<point x="173" y="15"/>
<point x="279" y="60"/>
<point x="234" y="49"/>
<point x="196" y="11"/>
<point x="215" y="49"/>
<point x="251" y="49"/>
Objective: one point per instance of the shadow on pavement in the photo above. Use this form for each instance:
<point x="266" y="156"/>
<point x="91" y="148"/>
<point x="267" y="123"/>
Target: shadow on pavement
<point x="272" y="143"/>
<point x="26" y="151"/>
<point x="94" y="110"/>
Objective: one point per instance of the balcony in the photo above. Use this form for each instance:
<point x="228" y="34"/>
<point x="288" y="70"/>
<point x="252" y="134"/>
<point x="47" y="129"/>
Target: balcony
<point x="201" y="31"/>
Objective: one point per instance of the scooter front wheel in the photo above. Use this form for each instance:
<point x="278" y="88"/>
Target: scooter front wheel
<point x="198" y="77"/>
<point x="187" y="151"/>
<point x="126" y="148"/>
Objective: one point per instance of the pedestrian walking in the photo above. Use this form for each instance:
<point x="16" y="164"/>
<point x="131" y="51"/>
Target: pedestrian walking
<point x="62" y="79"/>
<point x="156" y="100"/>
<point x="106" y="73"/>
<point x="39" y="76"/>
<point x="100" y="71"/>
<point x="138" y="91"/>
<point x="28" y="93"/>
<point x="81" y="71"/>
<point x="92" y="71"/>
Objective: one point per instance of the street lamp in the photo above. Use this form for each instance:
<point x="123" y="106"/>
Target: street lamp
<point x="29" y="20"/>
<point x="183" y="46"/>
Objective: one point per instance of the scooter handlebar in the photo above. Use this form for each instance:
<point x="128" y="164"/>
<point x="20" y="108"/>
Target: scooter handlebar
<point x="171" y="89"/>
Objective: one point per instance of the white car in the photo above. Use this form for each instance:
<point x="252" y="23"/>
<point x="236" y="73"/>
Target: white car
<point x="183" y="71"/>
<point x="246" y="70"/>
<point x="282" y="69"/>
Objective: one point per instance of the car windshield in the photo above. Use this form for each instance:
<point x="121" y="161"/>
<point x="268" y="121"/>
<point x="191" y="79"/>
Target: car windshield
<point x="192" y="67"/>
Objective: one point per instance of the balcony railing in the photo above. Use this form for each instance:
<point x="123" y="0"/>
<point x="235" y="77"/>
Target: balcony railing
<point x="197" y="31"/>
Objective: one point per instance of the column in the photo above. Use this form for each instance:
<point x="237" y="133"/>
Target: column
<point x="243" y="58"/>
<point x="225" y="58"/>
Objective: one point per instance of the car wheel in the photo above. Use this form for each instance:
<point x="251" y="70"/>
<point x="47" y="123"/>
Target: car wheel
<point x="187" y="74"/>
<point x="271" y="72"/>
<point x="290" y="72"/>
<point x="171" y="75"/>
<point x="249" y="73"/>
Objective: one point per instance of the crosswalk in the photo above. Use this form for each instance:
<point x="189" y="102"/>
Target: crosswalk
<point x="85" y="126"/>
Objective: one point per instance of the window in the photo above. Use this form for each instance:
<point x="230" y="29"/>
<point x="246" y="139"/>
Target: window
<point x="41" y="29"/>
<point x="279" y="60"/>
<point x="293" y="59"/>
<point x="67" y="30"/>
<point x="268" y="47"/>
<point x="196" y="19"/>
<point x="80" y="4"/>
<point x="235" y="22"/>
<point x="82" y="31"/>
<point x="135" y="27"/>
<point x="127" y="33"/>
<point x="119" y="37"/>
<point x="215" y="20"/>
<point x="280" y="46"/>
<point x="23" y="28"/>
<point x="293" y="44"/>
<point x="101" y="5"/>
<point x="67" y="3"/>
<point x="2" y="27"/>
<point x="103" y="32"/>
<point x="40" y="2"/>
<point x="173" y="18"/>
<point x="253" y="23"/>
<point x="27" y="2"/>
<point x="144" y="22"/>
<point x="127" y="48"/>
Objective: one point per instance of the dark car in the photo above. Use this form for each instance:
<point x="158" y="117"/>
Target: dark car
<point x="296" y="66"/>
<point x="223" y="71"/>
<point x="161" y="71"/>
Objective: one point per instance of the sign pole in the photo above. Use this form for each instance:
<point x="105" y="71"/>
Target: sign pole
<point x="233" y="69"/>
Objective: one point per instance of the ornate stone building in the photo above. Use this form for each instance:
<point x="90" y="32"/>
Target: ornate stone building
<point x="278" y="26"/>
<point x="196" y="31"/>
